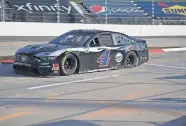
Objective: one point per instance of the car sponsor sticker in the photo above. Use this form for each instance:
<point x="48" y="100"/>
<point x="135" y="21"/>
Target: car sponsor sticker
<point x="118" y="57"/>
<point x="24" y="58"/>
<point x="55" y="67"/>
<point x="22" y="64"/>
<point x="44" y="63"/>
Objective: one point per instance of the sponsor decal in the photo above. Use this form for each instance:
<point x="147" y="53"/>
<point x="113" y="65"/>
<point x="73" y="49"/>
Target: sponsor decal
<point x="176" y="9"/>
<point x="131" y="47"/>
<point x="44" y="63"/>
<point x="97" y="8"/>
<point x="52" y="57"/>
<point x="118" y="57"/>
<point x="111" y="10"/>
<point x="22" y="64"/>
<point x="24" y="58"/>
<point x="104" y="59"/>
<point x="44" y="66"/>
<point x="55" y="67"/>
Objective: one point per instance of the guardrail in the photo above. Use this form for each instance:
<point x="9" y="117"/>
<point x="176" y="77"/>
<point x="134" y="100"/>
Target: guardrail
<point x="55" y="29"/>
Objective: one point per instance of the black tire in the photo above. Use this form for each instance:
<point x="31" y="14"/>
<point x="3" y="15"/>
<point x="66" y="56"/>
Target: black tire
<point x="68" y="64"/>
<point x="131" y="60"/>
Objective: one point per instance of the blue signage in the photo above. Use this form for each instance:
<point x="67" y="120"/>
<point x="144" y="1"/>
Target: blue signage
<point x="114" y="9"/>
<point x="164" y="9"/>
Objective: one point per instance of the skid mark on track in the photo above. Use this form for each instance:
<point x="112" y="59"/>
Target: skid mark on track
<point x="16" y="95"/>
<point x="111" y="111"/>
<point x="51" y="97"/>
<point x="138" y="94"/>
<point x="116" y="109"/>
<point x="13" y="115"/>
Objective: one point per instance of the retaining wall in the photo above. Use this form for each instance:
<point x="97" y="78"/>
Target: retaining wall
<point x="55" y="29"/>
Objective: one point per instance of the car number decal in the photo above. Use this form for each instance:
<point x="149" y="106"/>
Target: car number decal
<point x="104" y="59"/>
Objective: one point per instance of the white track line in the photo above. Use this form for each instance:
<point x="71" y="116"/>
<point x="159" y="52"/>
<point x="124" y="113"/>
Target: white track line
<point x="176" y="67"/>
<point x="174" y="49"/>
<point x="69" y="82"/>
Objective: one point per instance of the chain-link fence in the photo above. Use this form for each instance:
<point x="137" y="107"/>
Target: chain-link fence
<point x="64" y="11"/>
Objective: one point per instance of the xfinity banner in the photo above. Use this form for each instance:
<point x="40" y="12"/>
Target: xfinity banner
<point x="42" y="6"/>
<point x="41" y="10"/>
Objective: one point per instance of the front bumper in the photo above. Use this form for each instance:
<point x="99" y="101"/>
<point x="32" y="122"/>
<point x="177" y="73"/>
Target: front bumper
<point x="41" y="68"/>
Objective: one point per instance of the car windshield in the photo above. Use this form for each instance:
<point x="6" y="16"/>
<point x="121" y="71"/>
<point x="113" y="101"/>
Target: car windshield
<point x="75" y="39"/>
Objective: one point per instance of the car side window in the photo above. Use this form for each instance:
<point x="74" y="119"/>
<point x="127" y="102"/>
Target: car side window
<point x="95" y="42"/>
<point x="106" y="40"/>
<point x="120" y="39"/>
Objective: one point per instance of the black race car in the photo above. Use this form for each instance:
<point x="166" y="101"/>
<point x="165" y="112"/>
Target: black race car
<point x="80" y="51"/>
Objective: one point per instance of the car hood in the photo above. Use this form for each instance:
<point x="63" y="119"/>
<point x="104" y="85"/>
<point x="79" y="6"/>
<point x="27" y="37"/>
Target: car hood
<point x="42" y="48"/>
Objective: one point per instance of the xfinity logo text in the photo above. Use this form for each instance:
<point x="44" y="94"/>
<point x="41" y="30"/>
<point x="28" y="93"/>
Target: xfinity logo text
<point x="30" y="8"/>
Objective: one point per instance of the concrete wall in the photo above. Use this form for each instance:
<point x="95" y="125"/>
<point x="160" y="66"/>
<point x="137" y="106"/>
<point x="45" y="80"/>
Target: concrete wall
<point x="54" y="29"/>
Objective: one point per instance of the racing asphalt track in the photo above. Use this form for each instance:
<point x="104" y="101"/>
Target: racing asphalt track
<point x="153" y="94"/>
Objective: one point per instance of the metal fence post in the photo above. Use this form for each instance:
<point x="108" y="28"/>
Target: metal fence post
<point x="58" y="14"/>
<point x="2" y="10"/>
<point x="153" y="22"/>
<point x="106" y="20"/>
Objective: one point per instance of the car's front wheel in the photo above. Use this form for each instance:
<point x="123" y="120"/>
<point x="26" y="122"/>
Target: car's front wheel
<point x="68" y="64"/>
<point x="131" y="60"/>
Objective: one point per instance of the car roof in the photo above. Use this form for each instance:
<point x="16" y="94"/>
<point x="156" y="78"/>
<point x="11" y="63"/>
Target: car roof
<point x="86" y="31"/>
<point x="94" y="32"/>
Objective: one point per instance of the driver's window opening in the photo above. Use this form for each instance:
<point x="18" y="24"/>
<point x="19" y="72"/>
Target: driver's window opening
<point x="95" y="43"/>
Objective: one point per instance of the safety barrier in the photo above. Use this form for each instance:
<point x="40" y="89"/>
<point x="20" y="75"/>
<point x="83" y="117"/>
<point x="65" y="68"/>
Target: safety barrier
<point x="55" y="29"/>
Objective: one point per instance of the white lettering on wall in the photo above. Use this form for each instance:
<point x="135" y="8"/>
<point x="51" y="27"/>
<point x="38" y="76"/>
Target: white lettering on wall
<point x="30" y="8"/>
<point x="44" y="6"/>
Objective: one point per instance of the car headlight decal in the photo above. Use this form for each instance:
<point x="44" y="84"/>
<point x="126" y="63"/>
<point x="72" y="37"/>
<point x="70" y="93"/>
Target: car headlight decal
<point x="52" y="57"/>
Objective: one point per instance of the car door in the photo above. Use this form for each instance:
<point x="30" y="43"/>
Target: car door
<point x="102" y="51"/>
<point x="86" y="60"/>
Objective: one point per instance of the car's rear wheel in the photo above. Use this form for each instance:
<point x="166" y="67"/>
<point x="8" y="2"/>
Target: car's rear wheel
<point x="131" y="60"/>
<point x="68" y="65"/>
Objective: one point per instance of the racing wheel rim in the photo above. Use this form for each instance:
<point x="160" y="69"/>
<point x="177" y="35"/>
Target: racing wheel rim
<point x="130" y="61"/>
<point x="68" y="65"/>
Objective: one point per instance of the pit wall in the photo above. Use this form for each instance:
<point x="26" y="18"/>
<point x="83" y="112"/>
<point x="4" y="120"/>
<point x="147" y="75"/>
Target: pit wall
<point x="55" y="29"/>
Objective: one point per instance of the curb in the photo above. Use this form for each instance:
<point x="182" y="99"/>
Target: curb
<point x="158" y="50"/>
<point x="2" y="62"/>
<point x="167" y="50"/>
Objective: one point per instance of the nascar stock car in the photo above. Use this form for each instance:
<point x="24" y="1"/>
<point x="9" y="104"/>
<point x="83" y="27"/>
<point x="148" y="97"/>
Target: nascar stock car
<point x="80" y="51"/>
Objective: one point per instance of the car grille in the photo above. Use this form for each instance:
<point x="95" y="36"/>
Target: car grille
<point x="24" y="58"/>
